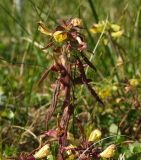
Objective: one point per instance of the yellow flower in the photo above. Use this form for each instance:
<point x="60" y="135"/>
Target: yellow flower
<point x="43" y="152"/>
<point x="134" y="82"/>
<point x="117" y="34"/>
<point x="109" y="151"/>
<point x="97" y="28"/>
<point x="115" y="27"/>
<point x="76" y="22"/>
<point x="60" y="36"/>
<point x="95" y="135"/>
<point x="105" y="92"/>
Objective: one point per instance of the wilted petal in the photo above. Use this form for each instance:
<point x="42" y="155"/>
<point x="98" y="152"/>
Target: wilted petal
<point x="76" y="22"/>
<point x="51" y="133"/>
<point x="42" y="28"/>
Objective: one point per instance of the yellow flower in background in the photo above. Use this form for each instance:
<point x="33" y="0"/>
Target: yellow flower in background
<point x="97" y="28"/>
<point x="76" y="22"/>
<point x="60" y="36"/>
<point x="134" y="82"/>
<point x="117" y="34"/>
<point x="105" y="92"/>
<point x="114" y="29"/>
<point x="43" y="152"/>
<point x="95" y="135"/>
<point x="109" y="151"/>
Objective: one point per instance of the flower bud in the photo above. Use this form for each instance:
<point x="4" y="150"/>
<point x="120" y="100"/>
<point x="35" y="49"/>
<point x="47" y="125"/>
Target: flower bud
<point x="95" y="135"/>
<point x="43" y="152"/>
<point x="109" y="151"/>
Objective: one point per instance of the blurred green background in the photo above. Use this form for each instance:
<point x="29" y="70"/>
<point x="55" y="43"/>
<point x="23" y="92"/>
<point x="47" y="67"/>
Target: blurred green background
<point x="23" y="104"/>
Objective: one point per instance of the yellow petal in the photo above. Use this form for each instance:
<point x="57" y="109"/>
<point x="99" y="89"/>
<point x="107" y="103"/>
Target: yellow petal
<point x="109" y="151"/>
<point x="43" y="152"/>
<point x="97" y="28"/>
<point x="95" y="135"/>
<point x="117" y="34"/>
<point x="60" y="36"/>
<point x="115" y="27"/>
<point x="42" y="28"/>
